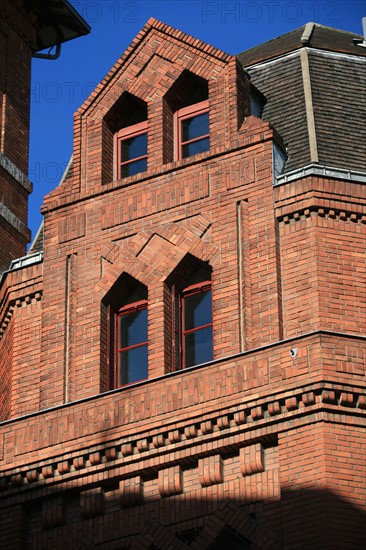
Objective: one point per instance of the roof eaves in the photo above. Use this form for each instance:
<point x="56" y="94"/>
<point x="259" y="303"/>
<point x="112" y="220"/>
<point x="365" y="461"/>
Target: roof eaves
<point x="56" y="22"/>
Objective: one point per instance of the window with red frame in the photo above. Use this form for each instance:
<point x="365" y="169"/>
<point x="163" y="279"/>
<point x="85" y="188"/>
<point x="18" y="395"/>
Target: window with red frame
<point x="131" y="343"/>
<point x="196" y="323"/>
<point x="192" y="130"/>
<point x="130" y="146"/>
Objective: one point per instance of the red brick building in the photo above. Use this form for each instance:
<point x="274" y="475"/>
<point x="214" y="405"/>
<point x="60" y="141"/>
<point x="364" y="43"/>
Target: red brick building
<point x="185" y="368"/>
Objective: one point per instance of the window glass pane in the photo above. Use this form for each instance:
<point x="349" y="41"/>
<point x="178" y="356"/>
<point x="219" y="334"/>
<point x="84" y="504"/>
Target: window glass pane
<point x="133" y="147"/>
<point x="197" y="310"/>
<point x="133" y="365"/>
<point x="256" y="106"/>
<point x="133" y="168"/>
<point x="196" y="147"/>
<point x="133" y="328"/>
<point x="198" y="347"/>
<point x="195" y="127"/>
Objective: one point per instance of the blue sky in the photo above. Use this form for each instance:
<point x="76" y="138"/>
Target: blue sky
<point x="59" y="87"/>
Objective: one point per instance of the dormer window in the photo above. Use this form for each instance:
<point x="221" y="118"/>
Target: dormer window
<point x="131" y="150"/>
<point x="186" y="118"/>
<point x="127" y="125"/>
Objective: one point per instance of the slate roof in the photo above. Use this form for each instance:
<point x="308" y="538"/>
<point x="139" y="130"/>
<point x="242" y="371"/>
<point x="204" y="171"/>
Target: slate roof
<point x="281" y="84"/>
<point x="339" y="100"/>
<point x="324" y="38"/>
<point x="338" y="82"/>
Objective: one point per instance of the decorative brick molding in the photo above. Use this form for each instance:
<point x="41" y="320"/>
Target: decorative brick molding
<point x="334" y="214"/>
<point x="184" y="457"/>
<point x="72" y="227"/>
<point x="25" y="300"/>
<point x="210" y="470"/>
<point x="171" y="481"/>
<point x="92" y="502"/>
<point x="330" y="401"/>
<point x="152" y="254"/>
<point x="53" y="512"/>
<point x="131" y="491"/>
<point x="231" y="515"/>
<point x="227" y="516"/>
<point x="252" y="459"/>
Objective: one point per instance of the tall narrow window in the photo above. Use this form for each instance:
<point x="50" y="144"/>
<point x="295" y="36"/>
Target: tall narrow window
<point x="131" y="363"/>
<point x="131" y="150"/>
<point x="191" y="313"/>
<point x="197" y="323"/>
<point x="124" y="335"/>
<point x="127" y="123"/>
<point x="186" y="117"/>
<point x="192" y="130"/>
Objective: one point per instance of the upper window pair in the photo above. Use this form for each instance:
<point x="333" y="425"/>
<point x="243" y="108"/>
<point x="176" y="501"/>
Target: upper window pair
<point x="188" y="128"/>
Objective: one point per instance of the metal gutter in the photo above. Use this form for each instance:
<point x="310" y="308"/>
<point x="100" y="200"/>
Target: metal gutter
<point x="19" y="263"/>
<point x="319" y="170"/>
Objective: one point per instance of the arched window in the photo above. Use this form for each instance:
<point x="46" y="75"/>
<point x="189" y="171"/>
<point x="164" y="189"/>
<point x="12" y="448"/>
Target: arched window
<point x="127" y="123"/>
<point x="196" y="320"/>
<point x="131" y="362"/>
<point x="130" y="149"/>
<point x="192" y="335"/>
<point x="126" y="317"/>
<point x="187" y="105"/>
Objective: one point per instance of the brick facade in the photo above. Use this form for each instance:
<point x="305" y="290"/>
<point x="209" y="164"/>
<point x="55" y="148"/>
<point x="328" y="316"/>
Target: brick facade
<point x="260" y="447"/>
<point x="17" y="38"/>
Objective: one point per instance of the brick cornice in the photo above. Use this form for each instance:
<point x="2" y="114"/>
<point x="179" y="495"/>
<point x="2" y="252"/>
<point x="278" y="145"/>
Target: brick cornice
<point x="22" y="286"/>
<point x="14" y="303"/>
<point x="258" y="420"/>
<point x="355" y="215"/>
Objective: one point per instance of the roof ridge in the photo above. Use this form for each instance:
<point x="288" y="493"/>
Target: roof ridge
<point x="308" y="30"/>
<point x="335" y="29"/>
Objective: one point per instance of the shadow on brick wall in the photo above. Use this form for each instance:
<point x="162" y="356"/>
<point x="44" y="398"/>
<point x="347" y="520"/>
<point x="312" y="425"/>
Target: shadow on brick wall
<point x="102" y="519"/>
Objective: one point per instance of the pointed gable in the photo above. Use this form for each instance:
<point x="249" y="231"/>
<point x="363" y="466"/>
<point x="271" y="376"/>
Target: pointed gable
<point x="146" y="74"/>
